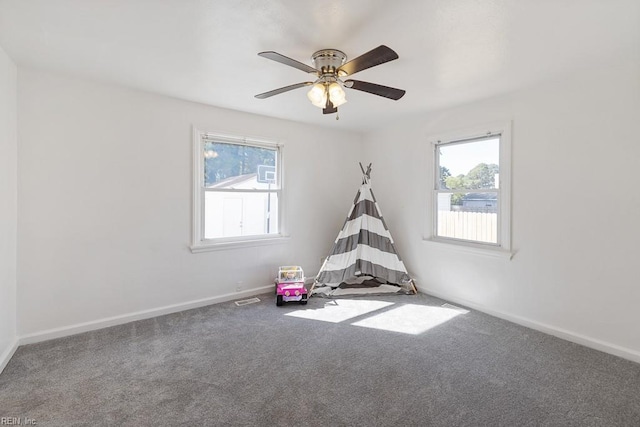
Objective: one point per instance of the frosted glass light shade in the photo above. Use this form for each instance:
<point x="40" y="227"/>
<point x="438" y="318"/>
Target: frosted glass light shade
<point x="318" y="95"/>
<point x="336" y="94"/>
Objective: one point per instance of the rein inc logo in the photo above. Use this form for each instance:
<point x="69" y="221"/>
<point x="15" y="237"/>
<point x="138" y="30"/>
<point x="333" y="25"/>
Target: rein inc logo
<point x="17" y="421"/>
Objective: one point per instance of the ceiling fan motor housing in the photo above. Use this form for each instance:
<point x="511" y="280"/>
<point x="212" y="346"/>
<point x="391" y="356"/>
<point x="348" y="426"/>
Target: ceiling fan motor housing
<point x="327" y="61"/>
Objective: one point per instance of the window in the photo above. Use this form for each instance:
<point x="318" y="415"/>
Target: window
<point x="471" y="195"/>
<point x="237" y="190"/>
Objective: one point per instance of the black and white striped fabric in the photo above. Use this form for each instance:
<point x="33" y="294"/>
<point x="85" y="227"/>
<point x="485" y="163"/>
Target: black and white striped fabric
<point x="364" y="246"/>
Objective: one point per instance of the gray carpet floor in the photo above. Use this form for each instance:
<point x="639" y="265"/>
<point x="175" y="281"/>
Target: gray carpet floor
<point x="369" y="361"/>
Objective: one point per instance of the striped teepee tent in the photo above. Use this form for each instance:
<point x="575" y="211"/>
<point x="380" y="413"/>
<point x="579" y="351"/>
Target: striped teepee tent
<point x="363" y="258"/>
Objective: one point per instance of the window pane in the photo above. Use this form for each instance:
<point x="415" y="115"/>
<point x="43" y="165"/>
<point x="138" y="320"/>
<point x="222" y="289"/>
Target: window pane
<point x="468" y="216"/>
<point x="234" y="214"/>
<point x="470" y="165"/>
<point x="235" y="166"/>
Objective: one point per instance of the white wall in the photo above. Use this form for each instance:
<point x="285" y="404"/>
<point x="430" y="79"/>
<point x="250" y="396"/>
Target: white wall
<point x="105" y="201"/>
<point x="8" y="206"/>
<point x="576" y="208"/>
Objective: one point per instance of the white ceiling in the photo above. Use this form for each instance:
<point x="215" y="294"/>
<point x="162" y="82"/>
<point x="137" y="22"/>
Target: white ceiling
<point x="451" y="51"/>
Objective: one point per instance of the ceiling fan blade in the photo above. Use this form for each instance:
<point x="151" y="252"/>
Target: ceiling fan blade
<point x="374" y="57"/>
<point x="282" y="90"/>
<point x="386" y="91"/>
<point x="329" y="108"/>
<point x="275" y="56"/>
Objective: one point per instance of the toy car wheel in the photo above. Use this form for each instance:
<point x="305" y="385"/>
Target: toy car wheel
<point x="278" y="300"/>
<point x="304" y="299"/>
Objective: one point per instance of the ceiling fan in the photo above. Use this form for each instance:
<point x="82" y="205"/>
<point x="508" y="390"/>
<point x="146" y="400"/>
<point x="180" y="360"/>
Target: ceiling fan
<point x="330" y="68"/>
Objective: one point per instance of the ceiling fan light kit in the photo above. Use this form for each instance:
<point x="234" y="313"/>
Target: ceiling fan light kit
<point x="327" y="91"/>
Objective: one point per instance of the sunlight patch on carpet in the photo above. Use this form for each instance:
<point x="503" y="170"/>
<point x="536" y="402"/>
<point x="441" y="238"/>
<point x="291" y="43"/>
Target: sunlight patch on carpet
<point x="336" y="311"/>
<point x="409" y="319"/>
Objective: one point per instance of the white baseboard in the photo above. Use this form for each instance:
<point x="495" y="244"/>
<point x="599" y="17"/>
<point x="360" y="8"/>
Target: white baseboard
<point x="146" y="314"/>
<point x="132" y="317"/>
<point x="7" y="355"/>
<point x="584" y="340"/>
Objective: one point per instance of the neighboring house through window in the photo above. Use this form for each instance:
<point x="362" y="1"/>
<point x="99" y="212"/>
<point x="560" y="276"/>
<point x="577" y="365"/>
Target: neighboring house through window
<point x="471" y="196"/>
<point x="237" y="189"/>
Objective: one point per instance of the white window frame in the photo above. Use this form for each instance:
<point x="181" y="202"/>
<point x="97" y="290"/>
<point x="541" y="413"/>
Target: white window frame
<point x="199" y="243"/>
<point x="503" y="246"/>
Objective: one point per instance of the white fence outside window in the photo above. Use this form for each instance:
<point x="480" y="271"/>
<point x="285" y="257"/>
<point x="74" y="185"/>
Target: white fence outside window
<point x="474" y="226"/>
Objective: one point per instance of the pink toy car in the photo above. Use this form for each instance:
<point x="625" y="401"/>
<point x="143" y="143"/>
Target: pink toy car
<point x="290" y="285"/>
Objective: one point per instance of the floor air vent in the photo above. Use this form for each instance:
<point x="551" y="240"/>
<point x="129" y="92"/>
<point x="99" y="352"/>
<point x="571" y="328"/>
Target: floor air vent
<point x="247" y="301"/>
<point x="453" y="307"/>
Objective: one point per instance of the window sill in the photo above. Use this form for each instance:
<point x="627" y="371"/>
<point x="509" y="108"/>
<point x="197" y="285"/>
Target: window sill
<point x="471" y="248"/>
<point x="219" y="246"/>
